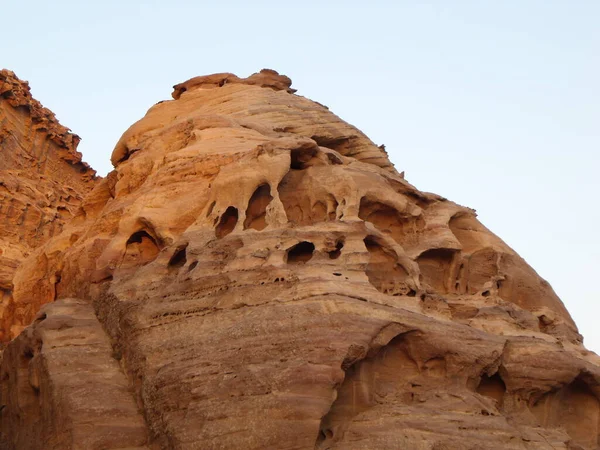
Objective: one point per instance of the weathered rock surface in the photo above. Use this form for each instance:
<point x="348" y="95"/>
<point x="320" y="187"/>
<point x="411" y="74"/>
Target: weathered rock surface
<point x="62" y="377"/>
<point x="42" y="183"/>
<point x="268" y="280"/>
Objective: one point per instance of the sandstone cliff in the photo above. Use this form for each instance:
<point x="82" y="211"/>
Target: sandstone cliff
<point x="255" y="274"/>
<point x="42" y="183"/>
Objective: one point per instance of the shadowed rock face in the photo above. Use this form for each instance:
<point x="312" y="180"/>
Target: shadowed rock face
<point x="262" y="277"/>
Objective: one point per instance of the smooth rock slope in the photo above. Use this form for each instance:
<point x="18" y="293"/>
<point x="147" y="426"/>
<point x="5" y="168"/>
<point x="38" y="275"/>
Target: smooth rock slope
<point x="255" y="274"/>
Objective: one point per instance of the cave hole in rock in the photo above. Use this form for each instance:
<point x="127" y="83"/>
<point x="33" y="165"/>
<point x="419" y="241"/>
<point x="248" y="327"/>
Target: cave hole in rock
<point x="301" y="207"/>
<point x="383" y="270"/>
<point x="192" y="266"/>
<point x="304" y="157"/>
<point x="404" y="229"/>
<point x="141" y="248"/>
<point x="256" y="212"/>
<point x="341" y="144"/>
<point x="339" y="245"/>
<point x="139" y="237"/>
<point x="300" y="253"/>
<point x="179" y="258"/>
<point x="294" y="204"/>
<point x="436" y="268"/>
<point x="493" y="387"/>
<point x="575" y="408"/>
<point x="227" y="222"/>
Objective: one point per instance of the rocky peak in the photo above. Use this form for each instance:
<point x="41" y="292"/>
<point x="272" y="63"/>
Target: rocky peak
<point x="15" y="94"/>
<point x="255" y="274"/>
<point x="265" y="78"/>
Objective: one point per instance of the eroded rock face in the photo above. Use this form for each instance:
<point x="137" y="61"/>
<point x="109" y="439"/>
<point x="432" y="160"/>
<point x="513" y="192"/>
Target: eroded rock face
<point x="42" y="183"/>
<point x="65" y="386"/>
<point x="268" y="280"/>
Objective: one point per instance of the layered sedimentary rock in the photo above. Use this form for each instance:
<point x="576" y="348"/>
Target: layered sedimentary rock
<point x="42" y="183"/>
<point x="266" y="279"/>
<point x="57" y="377"/>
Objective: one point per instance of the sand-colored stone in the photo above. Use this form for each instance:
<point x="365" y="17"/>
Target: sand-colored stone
<point x="268" y="280"/>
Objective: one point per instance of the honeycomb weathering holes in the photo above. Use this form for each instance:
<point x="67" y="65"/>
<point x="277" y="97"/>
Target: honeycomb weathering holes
<point x="141" y="248"/>
<point x="256" y="213"/>
<point x="493" y="387"/>
<point x="383" y="270"/>
<point x="227" y="222"/>
<point x="179" y="258"/>
<point x="300" y="253"/>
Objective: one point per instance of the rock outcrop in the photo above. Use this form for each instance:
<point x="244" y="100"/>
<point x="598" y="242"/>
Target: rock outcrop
<point x="262" y="277"/>
<point x="42" y="183"/>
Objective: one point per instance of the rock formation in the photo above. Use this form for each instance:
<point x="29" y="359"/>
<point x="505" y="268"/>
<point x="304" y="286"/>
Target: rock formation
<point x="255" y="274"/>
<point x="42" y="183"/>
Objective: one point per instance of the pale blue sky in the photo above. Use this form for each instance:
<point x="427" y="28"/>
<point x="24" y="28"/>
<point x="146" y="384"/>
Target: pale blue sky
<point x="495" y="105"/>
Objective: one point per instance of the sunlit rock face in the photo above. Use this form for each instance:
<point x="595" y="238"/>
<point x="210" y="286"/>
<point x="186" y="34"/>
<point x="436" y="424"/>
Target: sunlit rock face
<point x="255" y="274"/>
<point x="42" y="184"/>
